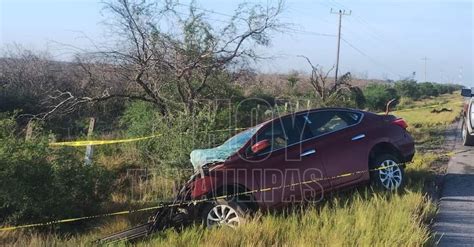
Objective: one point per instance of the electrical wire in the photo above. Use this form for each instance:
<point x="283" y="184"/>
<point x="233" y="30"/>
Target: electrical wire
<point x="326" y="4"/>
<point x="374" y="61"/>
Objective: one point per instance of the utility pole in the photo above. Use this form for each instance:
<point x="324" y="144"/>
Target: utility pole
<point x="425" y="59"/>
<point x="460" y="77"/>
<point x="340" y="13"/>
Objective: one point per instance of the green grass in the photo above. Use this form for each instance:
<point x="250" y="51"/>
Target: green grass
<point x="361" y="217"/>
<point x="422" y="116"/>
<point x="364" y="218"/>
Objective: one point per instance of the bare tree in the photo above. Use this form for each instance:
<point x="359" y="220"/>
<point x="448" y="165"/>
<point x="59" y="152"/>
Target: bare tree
<point x="326" y="90"/>
<point x="27" y="78"/>
<point x="160" y="55"/>
<point x="22" y="70"/>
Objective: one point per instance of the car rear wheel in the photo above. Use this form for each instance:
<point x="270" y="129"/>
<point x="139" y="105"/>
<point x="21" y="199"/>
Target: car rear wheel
<point x="387" y="172"/>
<point x="467" y="140"/>
<point x="224" y="213"/>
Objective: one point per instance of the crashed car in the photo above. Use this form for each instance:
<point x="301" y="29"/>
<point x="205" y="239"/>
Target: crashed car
<point x="294" y="149"/>
<point x="292" y="159"/>
<point x="468" y="118"/>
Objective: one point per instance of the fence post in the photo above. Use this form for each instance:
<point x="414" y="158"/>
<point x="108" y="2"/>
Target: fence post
<point x="89" y="149"/>
<point x="308" y="104"/>
<point x="29" y="130"/>
<point x="297" y="105"/>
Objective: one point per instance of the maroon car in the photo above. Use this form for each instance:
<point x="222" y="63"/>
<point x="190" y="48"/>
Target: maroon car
<point x="291" y="159"/>
<point x="298" y="158"/>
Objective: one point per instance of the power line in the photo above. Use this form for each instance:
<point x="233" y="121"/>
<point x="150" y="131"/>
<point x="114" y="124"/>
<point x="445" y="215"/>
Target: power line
<point x="231" y="16"/>
<point x="374" y="61"/>
<point x="312" y="33"/>
<point x="370" y="29"/>
<point x="303" y="32"/>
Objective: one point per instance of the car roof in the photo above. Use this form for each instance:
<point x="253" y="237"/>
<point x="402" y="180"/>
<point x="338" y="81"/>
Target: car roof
<point x="315" y="109"/>
<point x="327" y="109"/>
<point x="311" y="110"/>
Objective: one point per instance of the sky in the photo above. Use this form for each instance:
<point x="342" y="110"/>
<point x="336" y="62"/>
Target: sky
<point x="381" y="39"/>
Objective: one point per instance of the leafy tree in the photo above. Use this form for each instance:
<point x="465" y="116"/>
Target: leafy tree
<point x="377" y="96"/>
<point x="407" y="88"/>
<point x="428" y="89"/>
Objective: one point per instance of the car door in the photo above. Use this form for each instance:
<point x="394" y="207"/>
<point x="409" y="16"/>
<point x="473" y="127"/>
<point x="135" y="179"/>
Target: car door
<point x="341" y="142"/>
<point x="287" y="163"/>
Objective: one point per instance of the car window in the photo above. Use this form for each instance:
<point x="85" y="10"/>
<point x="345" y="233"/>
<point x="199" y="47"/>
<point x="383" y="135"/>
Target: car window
<point x="282" y="132"/>
<point x="322" y="122"/>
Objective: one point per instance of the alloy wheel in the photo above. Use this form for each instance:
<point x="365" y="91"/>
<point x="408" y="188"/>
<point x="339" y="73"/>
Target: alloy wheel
<point x="390" y="177"/>
<point x="222" y="215"/>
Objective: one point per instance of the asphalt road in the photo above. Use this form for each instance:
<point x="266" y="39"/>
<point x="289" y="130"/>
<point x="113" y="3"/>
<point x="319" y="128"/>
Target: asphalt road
<point x="454" y="224"/>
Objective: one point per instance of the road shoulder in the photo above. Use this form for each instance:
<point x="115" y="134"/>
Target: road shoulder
<point x="454" y="223"/>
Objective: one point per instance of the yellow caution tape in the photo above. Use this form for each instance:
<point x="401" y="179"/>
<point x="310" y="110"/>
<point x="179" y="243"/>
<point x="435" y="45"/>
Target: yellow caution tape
<point x="11" y="228"/>
<point x="98" y="142"/>
<point x="106" y="142"/>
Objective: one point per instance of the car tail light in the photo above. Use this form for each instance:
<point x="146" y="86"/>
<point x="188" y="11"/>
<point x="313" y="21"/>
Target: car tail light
<point x="400" y="122"/>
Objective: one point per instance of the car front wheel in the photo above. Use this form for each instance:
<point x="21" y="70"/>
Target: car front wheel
<point x="223" y="213"/>
<point x="387" y="173"/>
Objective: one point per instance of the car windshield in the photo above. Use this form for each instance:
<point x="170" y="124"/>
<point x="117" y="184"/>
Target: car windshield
<point x="234" y="143"/>
<point x="200" y="157"/>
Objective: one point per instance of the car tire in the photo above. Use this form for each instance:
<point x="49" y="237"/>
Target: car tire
<point x="467" y="140"/>
<point x="222" y="212"/>
<point x="391" y="178"/>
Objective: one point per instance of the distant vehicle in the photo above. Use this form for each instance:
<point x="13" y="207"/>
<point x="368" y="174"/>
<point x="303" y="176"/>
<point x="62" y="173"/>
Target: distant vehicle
<point x="468" y="118"/>
<point x="319" y="143"/>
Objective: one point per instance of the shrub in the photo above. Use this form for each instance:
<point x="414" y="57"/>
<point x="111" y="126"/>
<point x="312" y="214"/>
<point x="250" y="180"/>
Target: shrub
<point x="377" y="96"/>
<point x="428" y="89"/>
<point x="176" y="135"/>
<point x="357" y="98"/>
<point x="411" y="89"/>
<point x="37" y="183"/>
<point x="408" y="89"/>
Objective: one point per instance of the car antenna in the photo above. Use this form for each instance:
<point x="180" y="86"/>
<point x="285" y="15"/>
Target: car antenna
<point x="387" y="108"/>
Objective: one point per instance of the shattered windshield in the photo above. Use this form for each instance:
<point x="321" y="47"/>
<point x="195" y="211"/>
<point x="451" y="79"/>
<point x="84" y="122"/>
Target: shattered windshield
<point x="237" y="141"/>
<point x="200" y="157"/>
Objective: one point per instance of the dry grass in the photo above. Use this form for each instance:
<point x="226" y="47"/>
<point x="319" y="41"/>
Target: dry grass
<point x="362" y="218"/>
<point x="422" y="116"/>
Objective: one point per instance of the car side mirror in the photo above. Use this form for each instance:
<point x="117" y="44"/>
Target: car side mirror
<point x="260" y="146"/>
<point x="466" y="92"/>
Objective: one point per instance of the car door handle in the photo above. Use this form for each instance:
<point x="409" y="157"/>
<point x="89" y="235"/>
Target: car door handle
<point x="308" y="152"/>
<point x="358" y="137"/>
